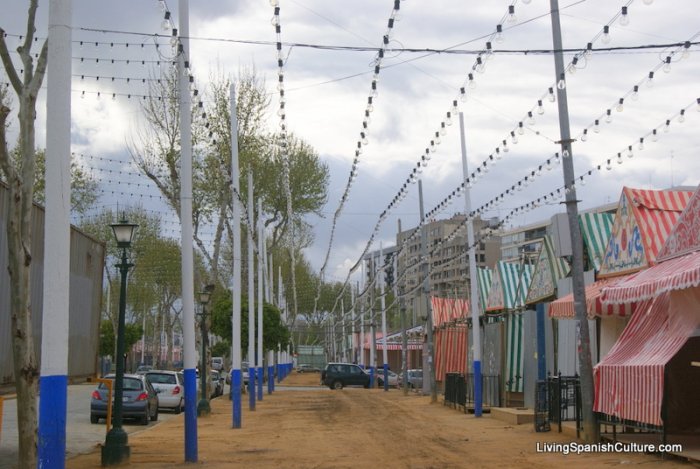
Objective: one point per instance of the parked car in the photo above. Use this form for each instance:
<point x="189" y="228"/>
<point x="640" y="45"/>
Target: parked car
<point x="244" y="372"/>
<point x="143" y="369"/>
<point x="139" y="400"/>
<point x="307" y="369"/>
<point x="339" y="375"/>
<point x="415" y="379"/>
<point x="217" y="384"/>
<point x="171" y="388"/>
<point x="393" y="378"/>
<point x="217" y="363"/>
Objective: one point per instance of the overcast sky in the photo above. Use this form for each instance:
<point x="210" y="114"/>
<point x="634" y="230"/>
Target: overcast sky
<point x="327" y="94"/>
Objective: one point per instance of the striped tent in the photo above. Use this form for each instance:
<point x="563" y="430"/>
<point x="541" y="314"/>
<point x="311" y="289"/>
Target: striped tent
<point x="595" y="230"/>
<point x="509" y="287"/>
<point x="448" y="310"/>
<point x="547" y="270"/>
<point x="484" y="276"/>
<point x="643" y="221"/>
<point x="450" y="350"/>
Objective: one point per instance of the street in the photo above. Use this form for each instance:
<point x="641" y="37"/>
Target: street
<point x="81" y="435"/>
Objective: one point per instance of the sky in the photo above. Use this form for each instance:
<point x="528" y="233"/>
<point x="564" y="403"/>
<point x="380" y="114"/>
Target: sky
<point x="327" y="93"/>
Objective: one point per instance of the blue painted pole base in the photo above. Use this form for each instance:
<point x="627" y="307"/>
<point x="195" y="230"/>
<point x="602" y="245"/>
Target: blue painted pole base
<point x="251" y="388"/>
<point x="270" y="379"/>
<point x="386" y="376"/>
<point x="236" y="398"/>
<point x="478" y="397"/>
<point x="53" y="392"/>
<point x="191" y="414"/>
<point x="261" y="382"/>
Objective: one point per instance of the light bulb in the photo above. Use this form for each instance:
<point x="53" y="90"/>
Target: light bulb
<point x="620" y="105"/>
<point x="165" y="25"/>
<point x="455" y="106"/>
<point x="635" y="93"/>
<point x="511" y="14"/>
<point x="557" y="160"/>
<point x="472" y="83"/>
<point x="161" y="4"/>
<point x="698" y="106"/>
<point x="448" y="119"/>
<point x="608" y="166"/>
<point x="498" y="152"/>
<point x="583" y="181"/>
<point x="462" y="95"/>
<point x="641" y="143"/>
<point x="540" y="108"/>
<point x="550" y="96"/>
<point x="654" y="136"/>
<point x="432" y="146"/>
<point x="499" y="34"/>
<point x="584" y="136"/>
<point x="629" y="152"/>
<point x="608" y="116"/>
<point x="596" y="126"/>
<point x="479" y="65"/>
<point x="650" y="80"/>
<point x="275" y="20"/>
<point x="561" y="84"/>
<point x="686" y="50"/>
<point x="530" y="118"/>
<point x="667" y="65"/>
<point x="173" y="39"/>
<point x="619" y="158"/>
<point x="565" y="153"/>
<point x="549" y="165"/>
<point x="521" y="130"/>
<point x="513" y="137"/>
<point x="624" y="19"/>
<point x="443" y="131"/>
<point x="427" y="154"/>
<point x="437" y="138"/>
<point x="505" y="147"/>
<point x="667" y="126"/>
<point x="572" y="71"/>
<point x="605" y="39"/>
<point x="681" y="116"/>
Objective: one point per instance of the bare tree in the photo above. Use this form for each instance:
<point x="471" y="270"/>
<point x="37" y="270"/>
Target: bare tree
<point x="20" y="180"/>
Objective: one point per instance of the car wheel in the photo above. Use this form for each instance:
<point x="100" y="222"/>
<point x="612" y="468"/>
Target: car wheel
<point x="146" y="417"/>
<point x="154" y="418"/>
<point x="380" y="383"/>
<point x="94" y="419"/>
<point x="178" y="408"/>
<point x="337" y="385"/>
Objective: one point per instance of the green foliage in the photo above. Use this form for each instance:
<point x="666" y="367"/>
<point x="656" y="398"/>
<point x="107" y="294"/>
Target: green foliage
<point x="274" y="331"/>
<point x="132" y="334"/>
<point x="221" y="349"/>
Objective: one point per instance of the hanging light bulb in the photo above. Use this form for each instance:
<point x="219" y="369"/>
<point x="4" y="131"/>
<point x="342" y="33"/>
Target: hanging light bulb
<point x="432" y="146"/>
<point x="471" y="84"/>
<point x="584" y="135"/>
<point x="565" y="153"/>
<point x="572" y="68"/>
<point x="606" y="35"/>
<point x="498" y="152"/>
<point x="462" y="95"/>
<point x="583" y="181"/>
<point x="275" y="20"/>
<point x="443" y="131"/>
<point x="596" y="126"/>
<point x="698" y="106"/>
<point x="635" y="93"/>
<point x="540" y="108"/>
<point x="608" y="116"/>
<point x="479" y="65"/>
<point x="630" y="154"/>
<point x="427" y="154"/>
<point x="505" y="147"/>
<point x="364" y="139"/>
<point x="667" y="64"/>
<point x="448" y="118"/>
<point x="499" y="34"/>
<point x="620" y="106"/>
<point x="455" y="106"/>
<point x="608" y="166"/>
<point x="667" y="126"/>
<point x="619" y="158"/>
<point x="513" y="137"/>
<point x="686" y="50"/>
<point x="681" y="116"/>
<point x="588" y="54"/>
<point x="650" y="80"/>
<point x="166" y="20"/>
<point x="624" y="18"/>
<point x="641" y="143"/>
<point x="549" y="165"/>
<point x="530" y="118"/>
<point x="561" y="84"/>
<point x="511" y="14"/>
<point x="173" y="38"/>
<point x="654" y="136"/>
<point x="521" y="129"/>
<point x="557" y="160"/>
<point x="489" y="51"/>
<point x="437" y="138"/>
<point x="550" y="96"/>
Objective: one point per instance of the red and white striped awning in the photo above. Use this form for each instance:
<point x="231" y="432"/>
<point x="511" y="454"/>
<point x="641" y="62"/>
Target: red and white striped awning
<point x="564" y="306"/>
<point x="448" y="309"/>
<point x="450" y="350"/>
<point x="629" y="381"/>
<point x="673" y="274"/>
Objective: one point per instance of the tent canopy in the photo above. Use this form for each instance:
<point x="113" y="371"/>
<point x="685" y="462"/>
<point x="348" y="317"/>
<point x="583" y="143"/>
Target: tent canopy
<point x="564" y="306"/>
<point x="448" y="309"/>
<point x="547" y="270"/>
<point x="595" y="231"/>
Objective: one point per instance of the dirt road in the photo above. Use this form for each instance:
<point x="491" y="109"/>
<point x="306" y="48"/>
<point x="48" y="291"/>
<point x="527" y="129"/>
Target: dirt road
<point x="356" y="428"/>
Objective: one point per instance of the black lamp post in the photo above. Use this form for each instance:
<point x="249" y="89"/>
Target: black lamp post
<point x="203" y="404"/>
<point x="115" y="450"/>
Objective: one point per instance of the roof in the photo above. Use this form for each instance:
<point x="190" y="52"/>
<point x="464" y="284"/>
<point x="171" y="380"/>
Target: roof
<point x="643" y="221"/>
<point x="564" y="306"/>
<point x="448" y="309"/>
<point x="685" y="236"/>
<point x="547" y="270"/>
<point x="484" y="276"/>
<point x="595" y="231"/>
<point x="509" y="287"/>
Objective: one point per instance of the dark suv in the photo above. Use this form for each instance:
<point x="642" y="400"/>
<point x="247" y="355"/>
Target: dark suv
<point x="338" y="375"/>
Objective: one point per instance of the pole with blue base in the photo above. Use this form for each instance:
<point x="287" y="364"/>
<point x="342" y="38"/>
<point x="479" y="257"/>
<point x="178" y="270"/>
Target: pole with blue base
<point x="53" y="383"/>
<point x="251" y="296"/>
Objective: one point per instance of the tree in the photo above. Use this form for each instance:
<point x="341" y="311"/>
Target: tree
<point x="19" y="229"/>
<point x="133" y="333"/>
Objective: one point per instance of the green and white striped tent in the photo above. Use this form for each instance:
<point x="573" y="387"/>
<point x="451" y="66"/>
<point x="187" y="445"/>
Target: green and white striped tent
<point x="484" y="277"/>
<point x="595" y="230"/>
<point x="548" y="269"/>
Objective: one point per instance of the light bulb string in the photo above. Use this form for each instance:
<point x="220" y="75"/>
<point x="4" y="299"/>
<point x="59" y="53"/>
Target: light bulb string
<point x="636" y="88"/>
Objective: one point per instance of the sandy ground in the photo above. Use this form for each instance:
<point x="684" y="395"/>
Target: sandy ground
<point x="357" y="428"/>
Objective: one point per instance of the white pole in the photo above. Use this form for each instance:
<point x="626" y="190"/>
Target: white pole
<point x="343" y="342"/>
<point x="353" y="326"/>
<point x="473" y="291"/>
<point x="281" y="358"/>
<point x="236" y="375"/>
<point x="261" y="266"/>
<point x="53" y="383"/>
<point x="385" y="356"/>
<point x="362" y="328"/>
<point x="251" y="299"/>
<point x="143" y="337"/>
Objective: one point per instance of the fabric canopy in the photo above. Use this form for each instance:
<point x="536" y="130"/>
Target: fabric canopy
<point x="675" y="274"/>
<point x="448" y="310"/>
<point x="629" y="381"/>
<point x="595" y="231"/>
<point x="450" y="350"/>
<point x="564" y="306"/>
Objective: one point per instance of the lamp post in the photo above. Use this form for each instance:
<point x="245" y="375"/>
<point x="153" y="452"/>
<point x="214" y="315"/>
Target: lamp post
<point x="115" y="450"/>
<point x="203" y="404"/>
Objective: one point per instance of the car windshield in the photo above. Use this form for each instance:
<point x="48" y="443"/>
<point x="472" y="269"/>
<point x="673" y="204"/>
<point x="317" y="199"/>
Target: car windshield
<point x="130" y="384"/>
<point x="162" y="378"/>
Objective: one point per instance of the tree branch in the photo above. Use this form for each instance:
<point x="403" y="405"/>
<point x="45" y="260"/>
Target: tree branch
<point x="9" y="66"/>
<point x="7" y="168"/>
<point x="40" y="69"/>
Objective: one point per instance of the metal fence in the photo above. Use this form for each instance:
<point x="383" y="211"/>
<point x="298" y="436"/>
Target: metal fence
<point x="557" y="400"/>
<point x="459" y="390"/>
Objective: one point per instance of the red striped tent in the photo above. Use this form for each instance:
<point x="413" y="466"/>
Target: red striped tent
<point x="643" y="222"/>
<point x="448" y="310"/>
<point x="629" y="381"/>
<point x="564" y="306"/>
<point x="450" y="350"/>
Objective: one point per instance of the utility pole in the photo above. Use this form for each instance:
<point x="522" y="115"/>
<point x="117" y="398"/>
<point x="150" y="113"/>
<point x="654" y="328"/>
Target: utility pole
<point x="473" y="292"/>
<point x="344" y="339"/>
<point x="591" y="430"/>
<point x="402" y="306"/>
<point x="372" y="329"/>
<point x="382" y="301"/>
<point x="261" y="266"/>
<point x="425" y="270"/>
<point x="236" y="374"/>
<point x="251" y="297"/>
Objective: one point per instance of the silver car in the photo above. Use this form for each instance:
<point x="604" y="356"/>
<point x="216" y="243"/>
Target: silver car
<point x="170" y="386"/>
<point x="139" y="400"/>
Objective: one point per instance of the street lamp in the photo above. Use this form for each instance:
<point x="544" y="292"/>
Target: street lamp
<point x="203" y="404"/>
<point x="115" y="450"/>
